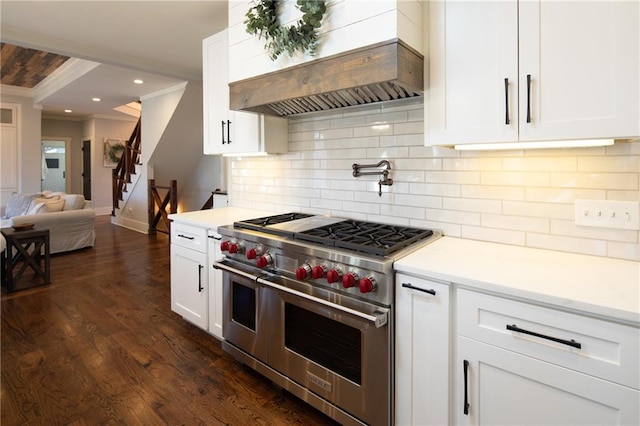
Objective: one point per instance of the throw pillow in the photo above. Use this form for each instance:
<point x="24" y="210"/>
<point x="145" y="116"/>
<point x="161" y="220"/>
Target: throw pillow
<point x="39" y="200"/>
<point x="19" y="204"/>
<point x="51" y="207"/>
<point x="73" y="201"/>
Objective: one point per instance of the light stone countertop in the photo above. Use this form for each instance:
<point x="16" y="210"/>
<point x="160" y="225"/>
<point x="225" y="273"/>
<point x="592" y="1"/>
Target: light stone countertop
<point x="598" y="286"/>
<point x="213" y="218"/>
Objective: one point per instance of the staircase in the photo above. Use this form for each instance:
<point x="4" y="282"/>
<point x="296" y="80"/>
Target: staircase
<point x="124" y="172"/>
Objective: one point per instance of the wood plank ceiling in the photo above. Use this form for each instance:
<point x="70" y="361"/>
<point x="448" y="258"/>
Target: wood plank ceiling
<point x="25" y="67"/>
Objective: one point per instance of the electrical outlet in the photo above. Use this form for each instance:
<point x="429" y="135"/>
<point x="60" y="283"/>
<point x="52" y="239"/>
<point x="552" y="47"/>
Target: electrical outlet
<point x="608" y="214"/>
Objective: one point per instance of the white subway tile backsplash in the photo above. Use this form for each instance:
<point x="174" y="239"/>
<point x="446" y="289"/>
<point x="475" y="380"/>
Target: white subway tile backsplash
<point x="472" y="205"/>
<point x="506" y="178"/>
<point x="494" y="235"/>
<point x="513" y="197"/>
<point x="574" y="245"/>
<point x="595" y="180"/>
<point x="515" y="223"/>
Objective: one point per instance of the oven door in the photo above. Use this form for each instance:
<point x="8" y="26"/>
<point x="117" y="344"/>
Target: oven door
<point x="337" y="347"/>
<point x="244" y="311"/>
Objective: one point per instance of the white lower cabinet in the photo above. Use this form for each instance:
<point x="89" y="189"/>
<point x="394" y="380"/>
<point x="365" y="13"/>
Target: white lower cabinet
<point x="422" y="352"/>
<point x="505" y="388"/>
<point x="215" y="286"/>
<point x="520" y="363"/>
<point x="189" y="284"/>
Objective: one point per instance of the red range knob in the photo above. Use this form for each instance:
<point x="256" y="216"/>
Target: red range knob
<point x="367" y="284"/>
<point x="234" y="248"/>
<point x="318" y="272"/>
<point x="264" y="261"/>
<point x="224" y="246"/>
<point x="349" y="280"/>
<point x="333" y="276"/>
<point x="303" y="272"/>
<point x="254" y="252"/>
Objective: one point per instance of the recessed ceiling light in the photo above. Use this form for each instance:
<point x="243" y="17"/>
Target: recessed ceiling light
<point x="138" y="81"/>
<point x="68" y="110"/>
<point x="96" y="99"/>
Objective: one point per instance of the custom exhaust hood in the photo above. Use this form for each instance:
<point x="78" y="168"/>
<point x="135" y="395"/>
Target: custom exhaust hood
<point x="380" y="72"/>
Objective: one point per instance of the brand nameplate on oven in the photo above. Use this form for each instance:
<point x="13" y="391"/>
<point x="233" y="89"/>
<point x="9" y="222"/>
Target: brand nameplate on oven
<point x="318" y="381"/>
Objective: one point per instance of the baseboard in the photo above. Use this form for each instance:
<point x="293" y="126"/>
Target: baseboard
<point x="134" y="225"/>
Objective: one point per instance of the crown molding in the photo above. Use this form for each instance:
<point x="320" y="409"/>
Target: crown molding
<point x="24" y="92"/>
<point x="68" y="72"/>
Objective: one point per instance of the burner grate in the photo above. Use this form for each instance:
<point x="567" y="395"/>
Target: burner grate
<point x="261" y="222"/>
<point x="366" y="237"/>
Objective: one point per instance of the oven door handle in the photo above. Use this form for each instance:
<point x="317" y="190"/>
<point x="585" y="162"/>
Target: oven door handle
<point x="379" y="317"/>
<point x="225" y="267"/>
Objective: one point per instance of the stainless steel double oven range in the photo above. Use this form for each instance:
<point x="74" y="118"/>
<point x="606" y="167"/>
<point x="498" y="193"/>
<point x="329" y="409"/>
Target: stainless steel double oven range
<point x="308" y="302"/>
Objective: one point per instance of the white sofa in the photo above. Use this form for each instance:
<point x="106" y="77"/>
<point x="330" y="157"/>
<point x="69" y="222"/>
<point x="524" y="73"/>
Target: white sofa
<point x="69" y="229"/>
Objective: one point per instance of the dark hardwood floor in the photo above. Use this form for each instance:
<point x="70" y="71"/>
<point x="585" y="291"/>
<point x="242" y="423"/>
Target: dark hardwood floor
<point x="100" y="345"/>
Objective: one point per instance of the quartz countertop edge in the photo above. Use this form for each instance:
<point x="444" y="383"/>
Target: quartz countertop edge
<point x="212" y="218"/>
<point x="597" y="286"/>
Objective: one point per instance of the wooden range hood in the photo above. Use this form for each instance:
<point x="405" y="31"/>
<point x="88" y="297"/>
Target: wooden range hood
<point x="379" y="72"/>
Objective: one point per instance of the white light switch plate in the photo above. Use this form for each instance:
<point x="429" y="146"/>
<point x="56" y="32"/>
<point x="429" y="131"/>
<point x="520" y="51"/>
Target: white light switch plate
<point x="608" y="214"/>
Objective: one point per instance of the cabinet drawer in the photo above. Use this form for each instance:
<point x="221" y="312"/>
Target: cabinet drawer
<point x="188" y="236"/>
<point x="596" y="347"/>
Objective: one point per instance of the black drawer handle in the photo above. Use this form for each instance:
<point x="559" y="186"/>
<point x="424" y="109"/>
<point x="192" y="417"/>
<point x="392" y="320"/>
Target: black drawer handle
<point x="465" y="369"/>
<point x="571" y="342"/>
<point x="215" y="238"/>
<point x="188" y="238"/>
<point x="430" y="291"/>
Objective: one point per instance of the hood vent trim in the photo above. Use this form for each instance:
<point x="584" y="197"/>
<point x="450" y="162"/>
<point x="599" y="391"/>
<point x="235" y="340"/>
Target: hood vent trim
<point x="380" y="72"/>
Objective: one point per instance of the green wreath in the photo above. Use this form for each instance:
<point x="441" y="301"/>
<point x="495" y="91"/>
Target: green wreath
<point x="115" y="152"/>
<point x="262" y="21"/>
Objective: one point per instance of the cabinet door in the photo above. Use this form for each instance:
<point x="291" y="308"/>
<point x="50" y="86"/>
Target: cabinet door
<point x="215" y="97"/>
<point x="189" y="284"/>
<point x="473" y="49"/>
<point x="503" y="387"/>
<point x="422" y="352"/>
<point x="582" y="57"/>
<point x="215" y="286"/>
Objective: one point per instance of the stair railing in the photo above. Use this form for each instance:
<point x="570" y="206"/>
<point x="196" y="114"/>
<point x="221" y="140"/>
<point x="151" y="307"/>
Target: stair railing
<point x="158" y="214"/>
<point x="126" y="167"/>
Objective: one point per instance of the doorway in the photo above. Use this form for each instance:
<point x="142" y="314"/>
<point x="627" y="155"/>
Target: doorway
<point x="54" y="165"/>
<point x="86" y="169"/>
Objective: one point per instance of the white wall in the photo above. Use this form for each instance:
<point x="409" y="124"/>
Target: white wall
<point x="521" y="198"/>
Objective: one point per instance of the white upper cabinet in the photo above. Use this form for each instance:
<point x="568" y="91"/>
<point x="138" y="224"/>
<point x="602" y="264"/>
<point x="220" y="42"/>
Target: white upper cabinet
<point x="233" y="132"/>
<point x="532" y="70"/>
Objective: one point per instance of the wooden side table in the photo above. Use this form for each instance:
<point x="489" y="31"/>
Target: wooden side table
<point x="24" y="249"/>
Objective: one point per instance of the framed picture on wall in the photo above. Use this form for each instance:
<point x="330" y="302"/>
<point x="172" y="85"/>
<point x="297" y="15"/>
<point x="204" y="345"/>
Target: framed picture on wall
<point x="113" y="150"/>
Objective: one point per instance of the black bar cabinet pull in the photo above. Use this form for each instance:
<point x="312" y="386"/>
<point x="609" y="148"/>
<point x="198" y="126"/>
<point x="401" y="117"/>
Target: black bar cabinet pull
<point x="184" y="236"/>
<point x="228" y="131"/>
<point x="215" y="238"/>
<point x="571" y="342"/>
<point x="223" y="141"/>
<point x="465" y="367"/>
<point x="430" y="291"/>
<point x="528" y="98"/>
<point x="200" y="288"/>
<point x="506" y="101"/>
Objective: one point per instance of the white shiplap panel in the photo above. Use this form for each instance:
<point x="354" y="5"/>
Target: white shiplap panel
<point x="347" y="25"/>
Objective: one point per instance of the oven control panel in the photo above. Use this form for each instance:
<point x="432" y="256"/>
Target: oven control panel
<point x="337" y="276"/>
